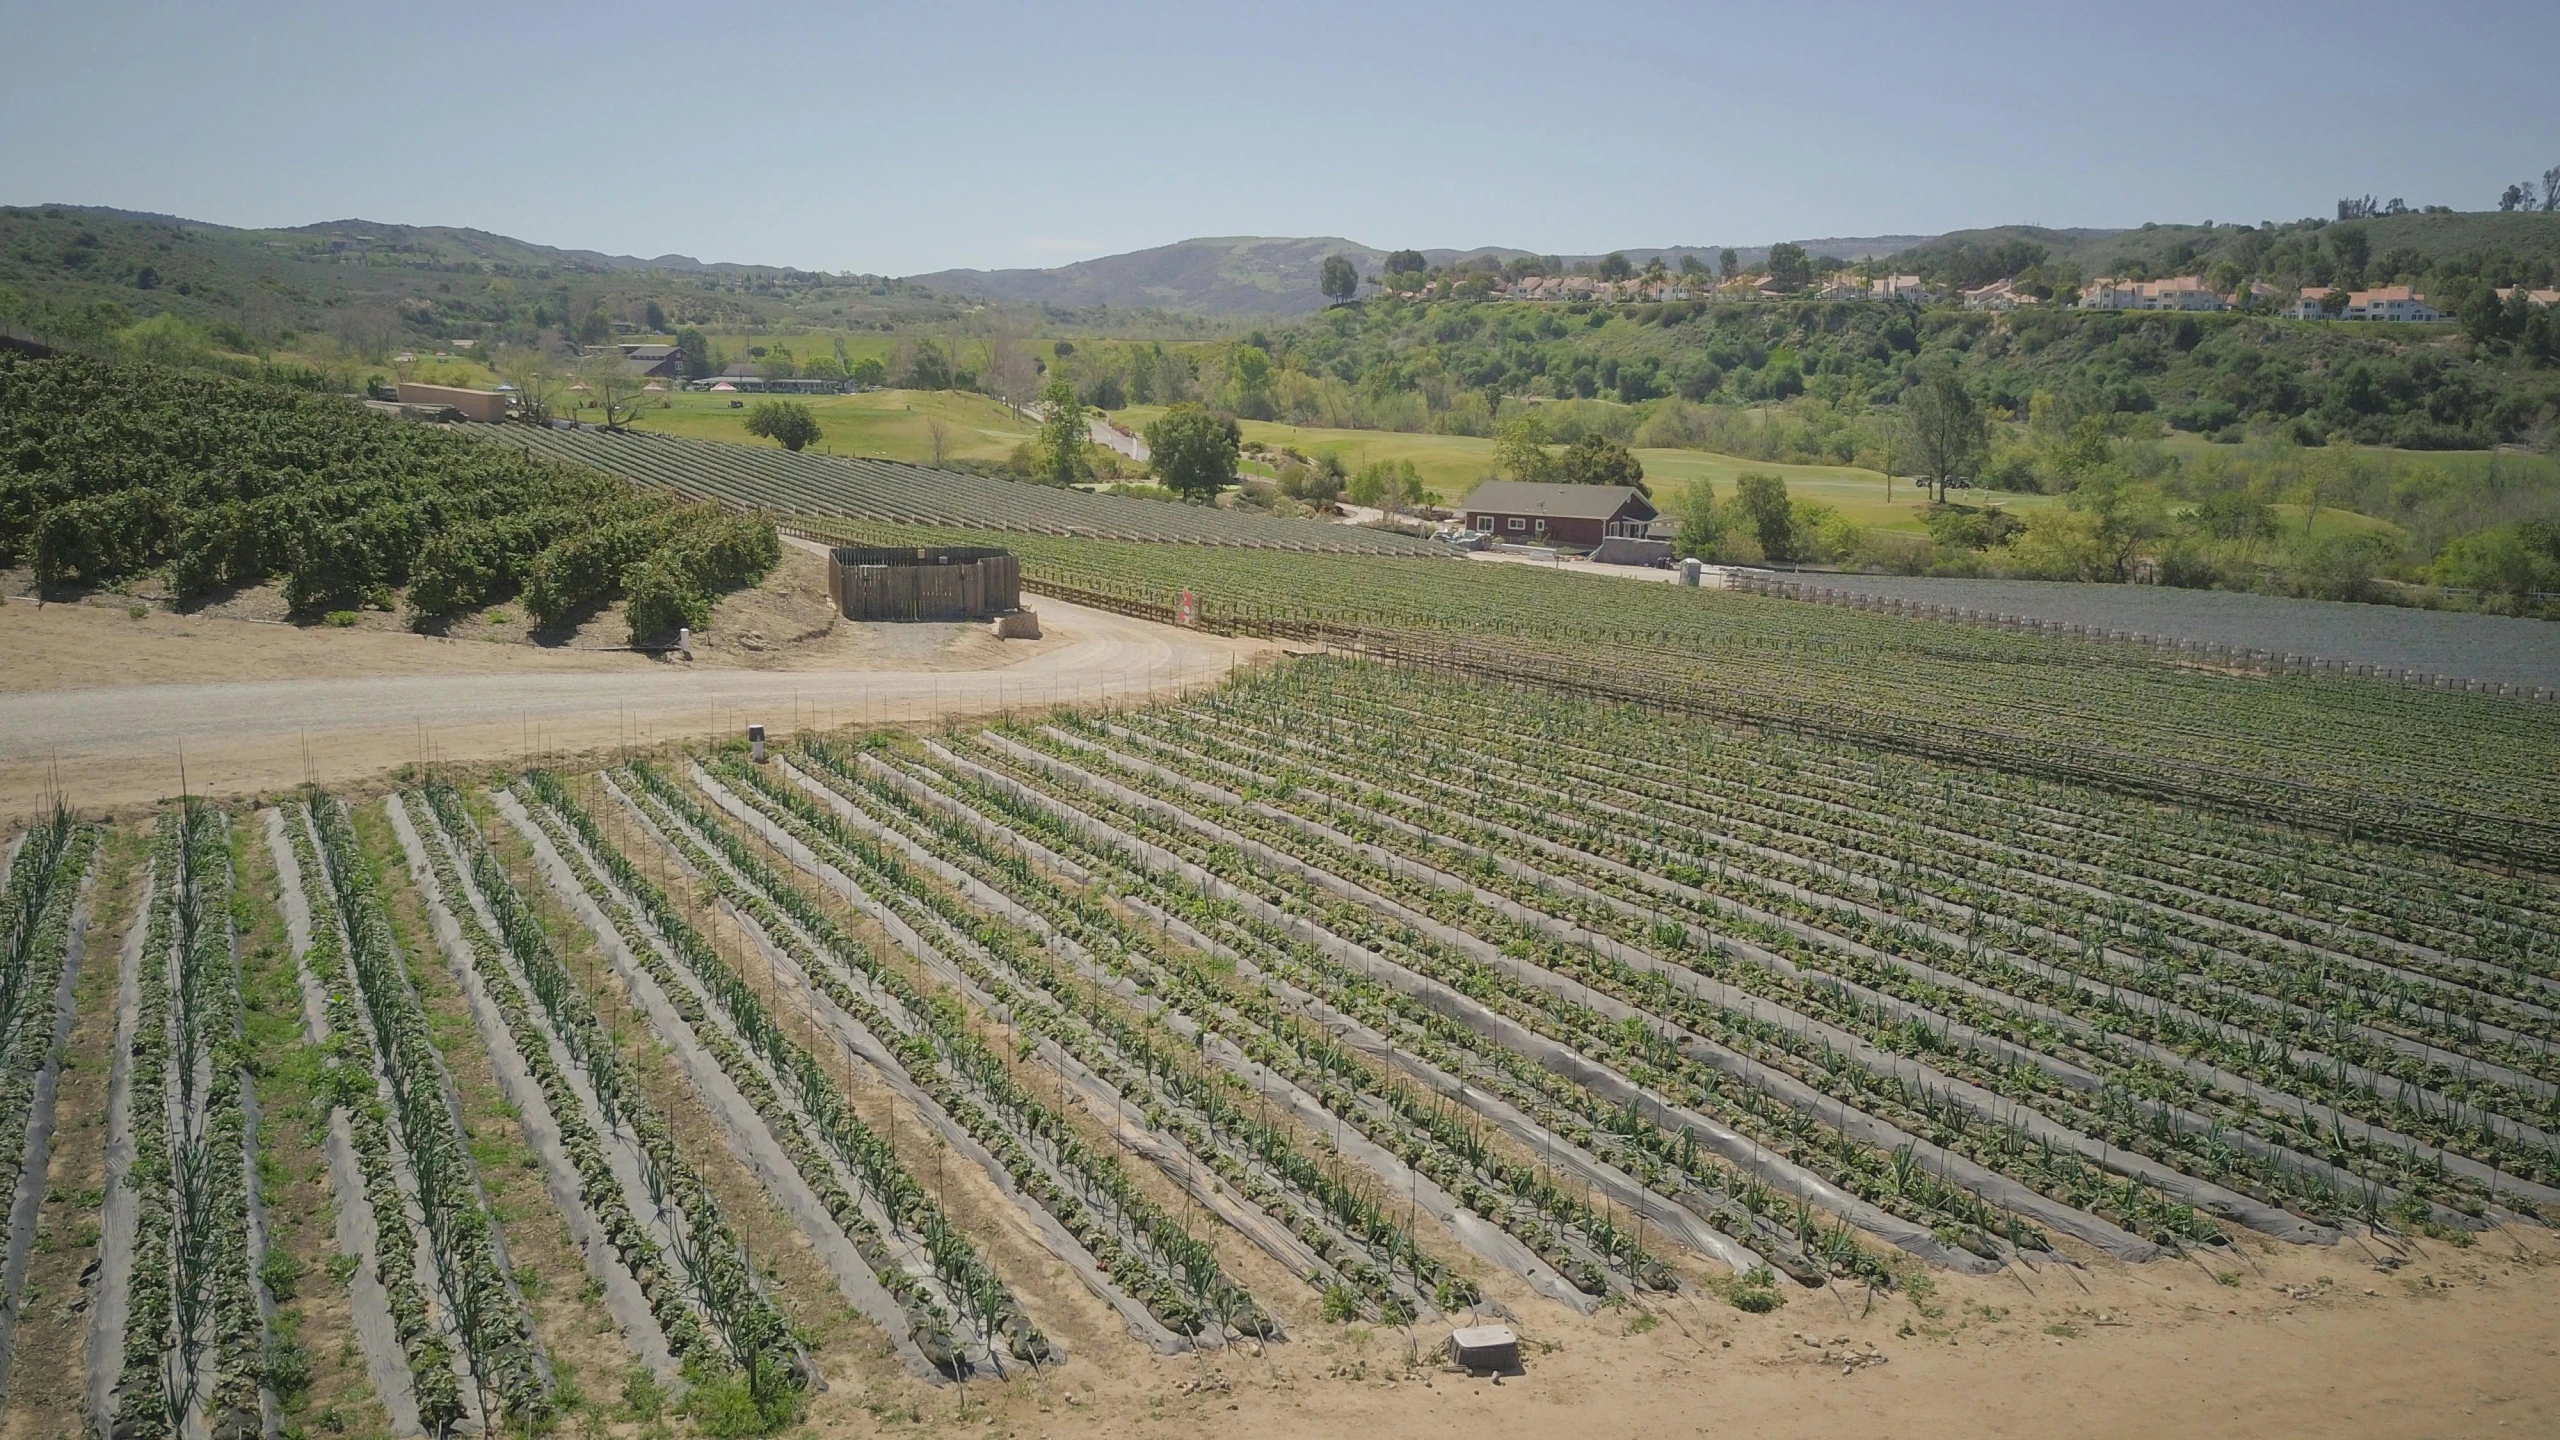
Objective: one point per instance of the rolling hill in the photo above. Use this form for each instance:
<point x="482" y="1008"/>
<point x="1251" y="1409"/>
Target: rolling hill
<point x="1239" y="275"/>
<point x="70" y="269"/>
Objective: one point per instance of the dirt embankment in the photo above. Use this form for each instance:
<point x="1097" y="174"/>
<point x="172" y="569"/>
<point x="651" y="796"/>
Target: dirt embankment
<point x="108" y="707"/>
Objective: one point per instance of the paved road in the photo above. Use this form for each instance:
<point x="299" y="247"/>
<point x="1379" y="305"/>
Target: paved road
<point x="124" y="744"/>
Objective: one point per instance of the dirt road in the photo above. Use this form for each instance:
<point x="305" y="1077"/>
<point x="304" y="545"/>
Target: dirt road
<point x="106" y="708"/>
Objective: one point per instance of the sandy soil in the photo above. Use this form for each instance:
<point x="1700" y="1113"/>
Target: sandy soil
<point x="2454" y="1343"/>
<point x="108" y="707"/>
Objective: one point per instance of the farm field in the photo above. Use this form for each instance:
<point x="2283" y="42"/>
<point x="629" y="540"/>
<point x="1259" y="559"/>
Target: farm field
<point x="2477" y="646"/>
<point x="1186" y="1053"/>
<point x="878" y="424"/>
<point x="1454" y="464"/>
<point x="2348" y="744"/>
<point x="803" y="484"/>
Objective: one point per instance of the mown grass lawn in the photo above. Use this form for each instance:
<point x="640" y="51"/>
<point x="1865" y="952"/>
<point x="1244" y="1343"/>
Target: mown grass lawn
<point x="887" y="424"/>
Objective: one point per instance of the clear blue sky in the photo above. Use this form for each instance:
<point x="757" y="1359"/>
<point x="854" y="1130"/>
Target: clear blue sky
<point x="899" y="139"/>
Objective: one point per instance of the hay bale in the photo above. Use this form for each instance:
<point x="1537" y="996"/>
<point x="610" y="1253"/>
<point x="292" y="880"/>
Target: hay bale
<point x="1018" y="625"/>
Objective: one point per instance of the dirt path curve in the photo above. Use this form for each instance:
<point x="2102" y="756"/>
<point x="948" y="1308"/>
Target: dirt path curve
<point x="121" y="744"/>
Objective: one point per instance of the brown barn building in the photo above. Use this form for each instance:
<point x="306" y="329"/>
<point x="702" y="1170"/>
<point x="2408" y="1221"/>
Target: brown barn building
<point x="1580" y="516"/>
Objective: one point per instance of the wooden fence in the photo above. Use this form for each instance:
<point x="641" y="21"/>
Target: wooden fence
<point x="923" y="583"/>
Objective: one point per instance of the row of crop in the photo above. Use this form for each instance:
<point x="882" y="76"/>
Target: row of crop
<point x="709" y="1249"/>
<point x="488" y="1318"/>
<point x="194" y="1338"/>
<point x="1821" y="666"/>
<point x="1856" y="941"/>
<point x="2231" y="933"/>
<point x="349" y="1078"/>
<point x="36" y="908"/>
<point x="2436" y="1104"/>
<point x="1764" y="950"/>
<point x="1142" y="1248"/>
<point x="2436" y="1091"/>
<point x="1361" y="1245"/>
<point x="1738" y="1206"/>
<point x="1578" y="1239"/>
<point x="595" y="1109"/>
<point x="2191" y="738"/>
<point x="798" y="483"/>
<point x="1648" y="1060"/>
<point x="809" y="1115"/>
<point x="1869" y="673"/>
<point x="688" y="1258"/>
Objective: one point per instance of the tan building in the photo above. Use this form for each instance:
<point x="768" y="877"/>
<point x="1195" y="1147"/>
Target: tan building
<point x="2390" y="302"/>
<point x="2179" y="292"/>
<point x="1998" y="295"/>
<point x="489" y="407"/>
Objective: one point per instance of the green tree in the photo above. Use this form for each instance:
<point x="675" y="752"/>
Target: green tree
<point x="1063" y="436"/>
<point x="786" y="423"/>
<point x="1192" y="452"/>
<point x="1393" y="486"/>
<point x="1407" y="262"/>
<point x="596" y="328"/>
<point x="656" y="315"/>
<point x="611" y="386"/>
<point x="1520" y="449"/>
<point x="1762" y="499"/>
<point x="1249" y="376"/>
<point x="1728" y="264"/>
<point x="2512" y="562"/>
<point x="1701" y="522"/>
<point x="693" y="353"/>
<point x="927" y="369"/>
<point x="1599" y="460"/>
<point x="1788" y="266"/>
<point x="2124" y="515"/>
<point x="870" y="372"/>
<point x="1945" y="435"/>
<point x="1341" y="279"/>
<point x="1614" y="266"/>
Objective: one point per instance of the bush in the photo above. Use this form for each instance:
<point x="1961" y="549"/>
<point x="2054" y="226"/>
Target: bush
<point x="587" y="568"/>
<point x="787" y="423"/>
<point x="281" y="1273"/>
<point x="676" y="585"/>
<point x="734" y="1406"/>
<point x="286" y="1368"/>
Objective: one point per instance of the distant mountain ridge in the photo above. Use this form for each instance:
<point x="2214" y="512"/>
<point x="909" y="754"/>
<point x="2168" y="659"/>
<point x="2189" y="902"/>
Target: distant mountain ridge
<point x="1231" y="275"/>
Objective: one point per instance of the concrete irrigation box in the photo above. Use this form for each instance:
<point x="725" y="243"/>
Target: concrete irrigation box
<point x="1485" y="1349"/>
<point x="915" y="582"/>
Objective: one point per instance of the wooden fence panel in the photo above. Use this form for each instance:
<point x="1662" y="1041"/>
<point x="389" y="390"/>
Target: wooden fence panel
<point x="868" y="583"/>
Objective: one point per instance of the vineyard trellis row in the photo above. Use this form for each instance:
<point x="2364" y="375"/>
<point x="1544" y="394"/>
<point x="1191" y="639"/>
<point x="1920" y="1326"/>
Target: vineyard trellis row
<point x="800" y="484"/>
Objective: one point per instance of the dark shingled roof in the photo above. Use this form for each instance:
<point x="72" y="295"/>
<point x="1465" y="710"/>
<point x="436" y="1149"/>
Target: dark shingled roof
<point x="1555" y="502"/>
